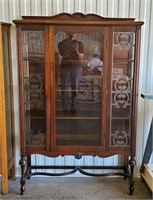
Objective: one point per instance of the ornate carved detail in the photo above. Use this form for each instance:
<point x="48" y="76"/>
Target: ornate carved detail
<point x="122" y="91"/>
<point x="78" y="155"/>
<point x="78" y="15"/>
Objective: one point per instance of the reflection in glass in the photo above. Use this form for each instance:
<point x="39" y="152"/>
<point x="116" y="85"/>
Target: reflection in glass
<point x="79" y="68"/>
<point x="34" y="87"/>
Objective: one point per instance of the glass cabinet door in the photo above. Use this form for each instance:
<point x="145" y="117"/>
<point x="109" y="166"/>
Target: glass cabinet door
<point x="33" y="72"/>
<point x="122" y="87"/>
<point x="78" y="90"/>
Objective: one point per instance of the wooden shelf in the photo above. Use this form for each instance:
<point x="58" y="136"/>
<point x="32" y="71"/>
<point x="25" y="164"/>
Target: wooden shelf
<point x="78" y="139"/>
<point x="79" y="115"/>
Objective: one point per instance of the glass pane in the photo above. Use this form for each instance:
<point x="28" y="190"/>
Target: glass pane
<point x="123" y="45"/>
<point x="8" y="108"/>
<point x="79" y="70"/>
<point x="122" y="87"/>
<point x="120" y="132"/>
<point x="34" y="87"/>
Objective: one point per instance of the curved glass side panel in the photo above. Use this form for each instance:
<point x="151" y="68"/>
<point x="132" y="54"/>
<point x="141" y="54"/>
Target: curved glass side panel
<point x="33" y="68"/>
<point x="122" y="88"/>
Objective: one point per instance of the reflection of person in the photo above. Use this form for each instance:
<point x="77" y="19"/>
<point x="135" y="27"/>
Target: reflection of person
<point x="71" y="69"/>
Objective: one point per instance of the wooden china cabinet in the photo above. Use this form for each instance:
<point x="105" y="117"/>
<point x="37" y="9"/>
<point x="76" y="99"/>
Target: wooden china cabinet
<point x="7" y="167"/>
<point x="103" y="97"/>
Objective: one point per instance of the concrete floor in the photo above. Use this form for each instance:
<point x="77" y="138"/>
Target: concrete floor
<point x="75" y="188"/>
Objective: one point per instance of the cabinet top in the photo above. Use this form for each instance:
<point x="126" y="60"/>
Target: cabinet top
<point x="78" y="19"/>
<point x="5" y="23"/>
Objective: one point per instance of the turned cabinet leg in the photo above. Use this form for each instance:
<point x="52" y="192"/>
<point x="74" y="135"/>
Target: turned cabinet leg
<point x="22" y="163"/>
<point x="132" y="163"/>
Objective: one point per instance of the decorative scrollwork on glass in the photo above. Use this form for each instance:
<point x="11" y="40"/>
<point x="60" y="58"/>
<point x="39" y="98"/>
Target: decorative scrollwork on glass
<point x="34" y="89"/>
<point x="35" y="139"/>
<point x="120" y="138"/>
<point x="35" y="40"/>
<point x="124" y="40"/>
<point x="122" y="91"/>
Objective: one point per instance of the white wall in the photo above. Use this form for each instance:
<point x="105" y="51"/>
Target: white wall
<point x="139" y="9"/>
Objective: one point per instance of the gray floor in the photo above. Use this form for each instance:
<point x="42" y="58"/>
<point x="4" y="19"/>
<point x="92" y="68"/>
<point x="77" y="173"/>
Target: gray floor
<point x="74" y="188"/>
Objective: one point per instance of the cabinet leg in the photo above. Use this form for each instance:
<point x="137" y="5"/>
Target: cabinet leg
<point x="22" y="163"/>
<point x="29" y="164"/>
<point x="132" y="163"/>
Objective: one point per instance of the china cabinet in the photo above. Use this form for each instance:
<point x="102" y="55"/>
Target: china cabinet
<point x="78" y="79"/>
<point x="6" y="109"/>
